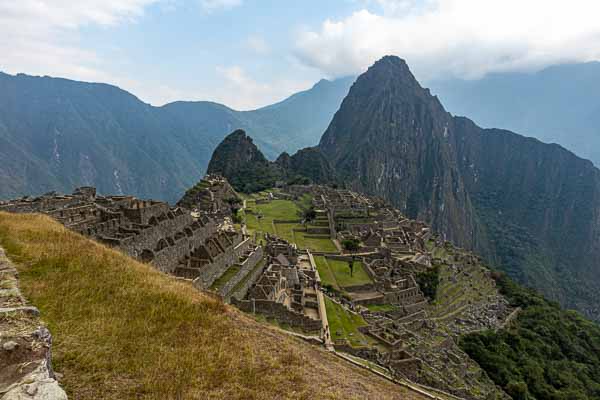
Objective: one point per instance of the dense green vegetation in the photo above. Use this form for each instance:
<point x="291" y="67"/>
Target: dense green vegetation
<point x="545" y="353"/>
<point x="255" y="179"/>
<point x="429" y="281"/>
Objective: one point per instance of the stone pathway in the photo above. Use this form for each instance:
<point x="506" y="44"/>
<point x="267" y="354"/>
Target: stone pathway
<point x="326" y="336"/>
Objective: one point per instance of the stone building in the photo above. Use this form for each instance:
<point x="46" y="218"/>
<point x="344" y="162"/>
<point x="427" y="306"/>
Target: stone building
<point x="171" y="238"/>
<point x="288" y="290"/>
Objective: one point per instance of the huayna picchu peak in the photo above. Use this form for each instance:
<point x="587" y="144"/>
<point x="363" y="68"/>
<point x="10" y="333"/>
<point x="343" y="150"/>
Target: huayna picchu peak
<point x="531" y="209"/>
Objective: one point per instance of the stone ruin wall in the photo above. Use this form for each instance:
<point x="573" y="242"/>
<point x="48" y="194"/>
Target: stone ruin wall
<point x="246" y="268"/>
<point x="208" y="274"/>
<point x="250" y="280"/>
<point x="150" y="231"/>
<point x="25" y="344"/>
<point x="280" y="313"/>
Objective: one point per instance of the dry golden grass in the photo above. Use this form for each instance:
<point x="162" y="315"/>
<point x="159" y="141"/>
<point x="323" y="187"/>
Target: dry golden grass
<point x="122" y="330"/>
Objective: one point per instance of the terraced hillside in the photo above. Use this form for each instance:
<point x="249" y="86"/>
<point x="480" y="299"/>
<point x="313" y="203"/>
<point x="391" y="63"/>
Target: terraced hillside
<point x="123" y="330"/>
<point x="414" y="340"/>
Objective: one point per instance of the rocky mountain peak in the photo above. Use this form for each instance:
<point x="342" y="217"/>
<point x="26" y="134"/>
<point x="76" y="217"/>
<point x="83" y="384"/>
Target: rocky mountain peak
<point x="509" y="197"/>
<point x="235" y="150"/>
<point x="389" y="98"/>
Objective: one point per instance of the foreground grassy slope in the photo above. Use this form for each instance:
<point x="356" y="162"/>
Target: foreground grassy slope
<point x="122" y="330"/>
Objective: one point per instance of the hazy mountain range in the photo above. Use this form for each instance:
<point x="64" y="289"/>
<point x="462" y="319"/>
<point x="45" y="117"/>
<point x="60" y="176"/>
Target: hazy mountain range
<point x="560" y="104"/>
<point x="56" y="134"/>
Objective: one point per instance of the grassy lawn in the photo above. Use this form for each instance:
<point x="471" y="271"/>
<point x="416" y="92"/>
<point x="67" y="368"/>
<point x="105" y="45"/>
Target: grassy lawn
<point x="344" y="325"/>
<point x="279" y="209"/>
<point x="276" y="209"/>
<point x="252" y="223"/>
<point x="285" y="210"/>
<point x="339" y="272"/>
<point x="285" y="231"/>
<point x="305" y="201"/>
<point x="314" y="244"/>
<point x="325" y="273"/>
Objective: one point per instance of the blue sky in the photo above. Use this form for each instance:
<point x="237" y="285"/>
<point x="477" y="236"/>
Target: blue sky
<point x="184" y="47"/>
<point x="249" y="53"/>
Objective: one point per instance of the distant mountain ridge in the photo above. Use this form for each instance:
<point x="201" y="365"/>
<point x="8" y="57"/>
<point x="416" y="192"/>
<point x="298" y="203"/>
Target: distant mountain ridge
<point x="56" y="134"/>
<point x="559" y="104"/>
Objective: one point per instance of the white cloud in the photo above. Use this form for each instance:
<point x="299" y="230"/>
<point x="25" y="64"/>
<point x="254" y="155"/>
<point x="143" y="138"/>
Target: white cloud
<point x="213" y="5"/>
<point x="465" y="38"/>
<point x="258" y="45"/>
<point x="242" y="92"/>
<point x="41" y="36"/>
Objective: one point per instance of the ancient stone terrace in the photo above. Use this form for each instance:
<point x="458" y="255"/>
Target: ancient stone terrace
<point x="171" y="238"/>
<point x="416" y="339"/>
<point x="213" y="196"/>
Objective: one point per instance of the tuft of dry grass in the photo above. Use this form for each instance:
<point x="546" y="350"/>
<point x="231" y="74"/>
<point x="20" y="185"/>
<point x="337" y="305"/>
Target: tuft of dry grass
<point x="123" y="330"/>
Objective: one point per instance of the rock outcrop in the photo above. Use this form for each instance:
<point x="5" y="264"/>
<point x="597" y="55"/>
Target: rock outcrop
<point x="25" y="345"/>
<point x="239" y="160"/>
<point x="213" y="195"/>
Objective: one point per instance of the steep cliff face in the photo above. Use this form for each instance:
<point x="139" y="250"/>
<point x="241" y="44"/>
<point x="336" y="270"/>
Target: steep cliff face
<point x="392" y="138"/>
<point x="540" y="205"/>
<point x="530" y="208"/>
<point x="309" y="163"/>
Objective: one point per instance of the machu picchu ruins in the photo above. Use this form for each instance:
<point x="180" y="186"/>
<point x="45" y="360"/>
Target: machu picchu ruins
<point x="263" y="255"/>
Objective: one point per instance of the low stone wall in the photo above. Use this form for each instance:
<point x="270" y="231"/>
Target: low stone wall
<point x="243" y="290"/>
<point x="280" y="313"/>
<point x="403" y="297"/>
<point x="318" y="230"/>
<point x="245" y="268"/>
<point x="366" y="353"/>
<point x="338" y="257"/>
<point x="367" y="287"/>
<point x="416" y="307"/>
<point x="25" y="345"/>
<point x="208" y="274"/>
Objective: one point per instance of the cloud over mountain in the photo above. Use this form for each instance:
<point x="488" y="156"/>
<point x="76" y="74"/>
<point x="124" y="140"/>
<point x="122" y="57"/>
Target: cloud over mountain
<point x="463" y="38"/>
